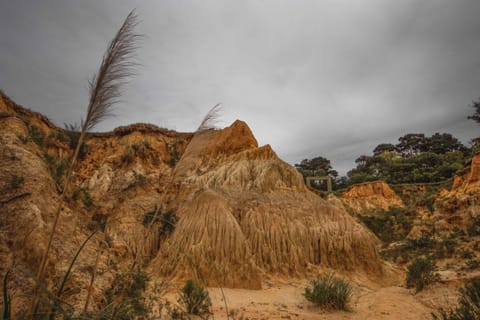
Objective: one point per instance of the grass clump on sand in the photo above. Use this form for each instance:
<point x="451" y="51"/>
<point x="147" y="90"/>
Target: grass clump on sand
<point x="329" y="292"/>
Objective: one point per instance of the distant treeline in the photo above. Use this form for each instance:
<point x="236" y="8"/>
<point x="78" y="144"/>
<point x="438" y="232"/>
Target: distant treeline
<point x="416" y="158"/>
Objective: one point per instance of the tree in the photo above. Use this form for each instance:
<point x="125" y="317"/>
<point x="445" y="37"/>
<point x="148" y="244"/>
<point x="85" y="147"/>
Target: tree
<point x="476" y="115"/>
<point x="410" y="144"/>
<point x="444" y="142"/>
<point x="318" y="166"/>
<point x="383" y="147"/>
<point x="475" y="145"/>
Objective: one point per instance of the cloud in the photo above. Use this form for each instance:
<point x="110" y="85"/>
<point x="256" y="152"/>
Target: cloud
<point x="330" y="78"/>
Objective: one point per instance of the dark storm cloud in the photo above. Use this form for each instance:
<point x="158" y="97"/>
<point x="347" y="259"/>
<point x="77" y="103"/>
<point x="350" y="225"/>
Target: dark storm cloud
<point x="330" y="78"/>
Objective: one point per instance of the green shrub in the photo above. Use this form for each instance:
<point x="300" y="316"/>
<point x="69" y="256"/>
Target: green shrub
<point x="422" y="243"/>
<point x="84" y="194"/>
<point x="195" y="299"/>
<point x="446" y="248"/>
<point x="128" y="155"/>
<point x="23" y="138"/>
<point x="474" y="227"/>
<point x="421" y="273"/>
<point x="5" y="115"/>
<point x="140" y="179"/>
<point x="468" y="304"/>
<point x="466" y="254"/>
<point x="16" y="181"/>
<point x="172" y="151"/>
<point x="71" y="136"/>
<point x="166" y="221"/>
<point x="329" y="292"/>
<point x="471" y="264"/>
<point x="36" y="134"/>
<point x="58" y="167"/>
<point x="124" y="299"/>
<point x="389" y="225"/>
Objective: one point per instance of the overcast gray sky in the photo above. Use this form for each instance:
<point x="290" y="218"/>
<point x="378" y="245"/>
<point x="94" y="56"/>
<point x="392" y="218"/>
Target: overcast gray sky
<point x="324" y="77"/>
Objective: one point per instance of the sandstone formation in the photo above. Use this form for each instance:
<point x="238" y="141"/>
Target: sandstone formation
<point x="469" y="181"/>
<point x="460" y="206"/>
<point x="367" y="197"/>
<point x="243" y="213"/>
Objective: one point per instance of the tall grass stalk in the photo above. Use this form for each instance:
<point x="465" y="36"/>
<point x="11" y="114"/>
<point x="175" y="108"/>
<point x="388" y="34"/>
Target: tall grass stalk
<point x="69" y="270"/>
<point x="92" y="279"/>
<point x="105" y="90"/>
<point x="6" y="313"/>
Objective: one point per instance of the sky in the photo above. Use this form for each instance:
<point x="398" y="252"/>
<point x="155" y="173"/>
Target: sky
<point x="331" y="78"/>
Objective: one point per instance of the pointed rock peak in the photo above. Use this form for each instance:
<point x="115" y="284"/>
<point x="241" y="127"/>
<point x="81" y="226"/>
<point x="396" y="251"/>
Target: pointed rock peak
<point x="225" y="142"/>
<point x="239" y="136"/>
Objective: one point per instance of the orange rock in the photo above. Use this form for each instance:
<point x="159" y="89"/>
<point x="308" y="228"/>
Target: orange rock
<point x="366" y="197"/>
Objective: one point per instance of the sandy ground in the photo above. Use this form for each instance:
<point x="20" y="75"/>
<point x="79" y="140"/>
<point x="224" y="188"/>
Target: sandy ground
<point x="283" y="299"/>
<point x="287" y="302"/>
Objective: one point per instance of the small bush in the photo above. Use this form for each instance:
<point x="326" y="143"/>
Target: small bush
<point x="195" y="299"/>
<point x="23" y="138"/>
<point x="58" y="167"/>
<point x="466" y="254"/>
<point x="390" y="225"/>
<point x="422" y="243"/>
<point x="16" y="181"/>
<point x="173" y="152"/>
<point x="471" y="264"/>
<point x="84" y="194"/>
<point x="36" y="134"/>
<point x="124" y="299"/>
<point x="140" y="179"/>
<point x="421" y="273"/>
<point x="166" y="221"/>
<point x="446" y="248"/>
<point x="71" y="136"/>
<point x="468" y="304"/>
<point x="329" y="292"/>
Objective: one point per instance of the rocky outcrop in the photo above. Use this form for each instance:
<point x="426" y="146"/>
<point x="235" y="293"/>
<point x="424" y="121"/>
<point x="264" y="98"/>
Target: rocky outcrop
<point x="460" y="206"/>
<point x="469" y="181"/>
<point x="367" y="197"/>
<point x="244" y="212"/>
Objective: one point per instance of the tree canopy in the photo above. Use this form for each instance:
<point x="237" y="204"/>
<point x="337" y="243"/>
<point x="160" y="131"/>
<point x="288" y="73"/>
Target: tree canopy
<point x="415" y="158"/>
<point x="476" y="115"/>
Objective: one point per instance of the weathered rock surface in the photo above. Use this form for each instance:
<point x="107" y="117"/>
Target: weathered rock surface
<point x="460" y="206"/>
<point x="370" y="196"/>
<point x="243" y="212"/>
<point x="469" y="181"/>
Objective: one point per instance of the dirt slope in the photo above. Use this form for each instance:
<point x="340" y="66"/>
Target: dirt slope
<point x="243" y="213"/>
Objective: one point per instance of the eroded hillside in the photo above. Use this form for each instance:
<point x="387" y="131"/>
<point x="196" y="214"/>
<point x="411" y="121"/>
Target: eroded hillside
<point x="236" y="213"/>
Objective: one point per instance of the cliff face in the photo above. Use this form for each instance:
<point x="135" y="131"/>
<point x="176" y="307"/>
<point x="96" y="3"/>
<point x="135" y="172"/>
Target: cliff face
<point x="242" y="212"/>
<point x="245" y="212"/>
<point x="367" y="197"/>
<point x="469" y="181"/>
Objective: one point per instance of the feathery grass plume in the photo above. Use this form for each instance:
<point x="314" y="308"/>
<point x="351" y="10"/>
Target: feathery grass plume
<point x="105" y="90"/>
<point x="211" y="118"/>
<point x="116" y="68"/>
